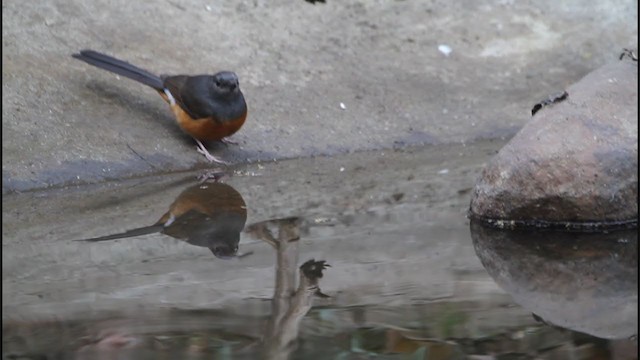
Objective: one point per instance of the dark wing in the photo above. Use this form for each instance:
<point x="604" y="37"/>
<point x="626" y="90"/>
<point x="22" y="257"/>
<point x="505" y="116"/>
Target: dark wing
<point x="205" y="230"/>
<point x="192" y="93"/>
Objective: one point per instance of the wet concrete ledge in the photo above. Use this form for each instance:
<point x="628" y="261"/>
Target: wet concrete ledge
<point x="67" y="123"/>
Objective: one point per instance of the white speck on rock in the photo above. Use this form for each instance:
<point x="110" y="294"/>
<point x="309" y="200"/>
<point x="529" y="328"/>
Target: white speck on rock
<point x="445" y="49"/>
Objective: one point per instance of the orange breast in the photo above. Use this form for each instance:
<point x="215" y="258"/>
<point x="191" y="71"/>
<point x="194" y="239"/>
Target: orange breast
<point x="206" y="129"/>
<point x="212" y="200"/>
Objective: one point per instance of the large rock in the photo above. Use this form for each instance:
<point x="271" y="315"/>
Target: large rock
<point x="575" y="162"/>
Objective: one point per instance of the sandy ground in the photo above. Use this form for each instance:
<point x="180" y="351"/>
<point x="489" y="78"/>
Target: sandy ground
<point x="64" y="122"/>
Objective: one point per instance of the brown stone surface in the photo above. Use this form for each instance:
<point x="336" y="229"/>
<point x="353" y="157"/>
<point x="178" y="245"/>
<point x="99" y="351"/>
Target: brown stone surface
<point x="575" y="161"/>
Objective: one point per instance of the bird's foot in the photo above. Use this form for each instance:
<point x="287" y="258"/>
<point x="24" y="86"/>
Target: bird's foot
<point x="203" y="150"/>
<point x="211" y="175"/>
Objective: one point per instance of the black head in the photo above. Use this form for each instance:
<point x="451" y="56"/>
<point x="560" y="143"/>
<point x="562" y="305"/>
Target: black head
<point x="224" y="251"/>
<point x="226" y="82"/>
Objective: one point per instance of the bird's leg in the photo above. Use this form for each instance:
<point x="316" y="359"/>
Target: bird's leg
<point x="229" y="141"/>
<point x="203" y="150"/>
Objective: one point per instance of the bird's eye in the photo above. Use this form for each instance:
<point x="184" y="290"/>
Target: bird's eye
<point x="218" y="83"/>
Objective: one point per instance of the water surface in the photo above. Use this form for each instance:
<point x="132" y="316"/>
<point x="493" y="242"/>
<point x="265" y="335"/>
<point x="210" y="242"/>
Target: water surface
<point x="409" y="276"/>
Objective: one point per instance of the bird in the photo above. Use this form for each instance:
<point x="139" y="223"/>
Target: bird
<point x="206" y="107"/>
<point x="210" y="215"/>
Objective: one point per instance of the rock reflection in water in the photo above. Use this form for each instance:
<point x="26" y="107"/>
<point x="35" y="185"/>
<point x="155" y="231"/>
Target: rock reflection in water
<point x="586" y="282"/>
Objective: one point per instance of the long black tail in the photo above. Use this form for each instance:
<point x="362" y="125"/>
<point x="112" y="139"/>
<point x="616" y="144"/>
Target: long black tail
<point x="127" y="234"/>
<point x="119" y="67"/>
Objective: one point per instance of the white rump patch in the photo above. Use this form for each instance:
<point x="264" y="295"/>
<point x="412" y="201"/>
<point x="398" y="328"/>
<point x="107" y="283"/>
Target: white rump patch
<point x="171" y="219"/>
<point x="172" y="100"/>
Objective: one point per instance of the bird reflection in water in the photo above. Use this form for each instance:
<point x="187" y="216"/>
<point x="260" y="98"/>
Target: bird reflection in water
<point x="209" y="214"/>
<point x="290" y="303"/>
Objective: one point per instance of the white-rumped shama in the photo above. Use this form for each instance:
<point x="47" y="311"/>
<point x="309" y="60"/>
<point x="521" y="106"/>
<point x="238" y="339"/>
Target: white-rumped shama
<point x="210" y="215"/>
<point x="207" y="107"/>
